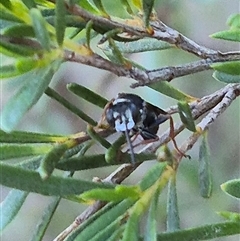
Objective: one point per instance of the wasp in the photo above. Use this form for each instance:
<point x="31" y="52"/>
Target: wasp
<point x="130" y="114"/>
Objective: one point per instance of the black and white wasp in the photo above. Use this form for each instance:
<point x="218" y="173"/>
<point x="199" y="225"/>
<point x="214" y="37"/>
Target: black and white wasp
<point x="130" y="114"/>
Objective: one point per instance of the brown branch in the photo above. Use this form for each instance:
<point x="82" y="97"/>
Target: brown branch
<point x="161" y="32"/>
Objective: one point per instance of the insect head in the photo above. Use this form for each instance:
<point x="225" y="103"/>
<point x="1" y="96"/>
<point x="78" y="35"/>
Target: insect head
<point x="129" y="113"/>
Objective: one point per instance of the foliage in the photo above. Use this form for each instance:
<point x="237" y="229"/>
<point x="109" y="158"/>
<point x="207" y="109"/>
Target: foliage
<point x="37" y="37"/>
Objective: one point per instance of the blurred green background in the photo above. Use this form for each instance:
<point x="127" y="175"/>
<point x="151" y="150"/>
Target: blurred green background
<point x="196" y="20"/>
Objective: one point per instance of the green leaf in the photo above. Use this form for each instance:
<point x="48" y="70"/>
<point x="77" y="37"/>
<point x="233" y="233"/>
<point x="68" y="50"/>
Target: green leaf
<point x="95" y="161"/>
<point x="19" y="30"/>
<point x="226" y="78"/>
<point x="16" y="151"/>
<point x="111" y="152"/>
<point x="131" y="231"/>
<point x="51" y="159"/>
<point x="30" y="137"/>
<point x="152" y="176"/>
<point x="7" y="71"/>
<point x="231" y="35"/>
<point x="45" y="220"/>
<point x="88" y="32"/>
<point x="204" y="169"/>
<point x="21" y="66"/>
<point x="103" y="219"/>
<point x="234" y="20"/>
<point x="25" y="98"/>
<point x="232" y="216"/>
<point x="30" y="181"/>
<point x="143" y="45"/>
<point x="7" y="15"/>
<point x="15" y="50"/>
<point x="186" y="115"/>
<point x="82" y="163"/>
<point x="30" y="3"/>
<point x="54" y="95"/>
<point x="231" y="67"/>
<point x="10" y="206"/>
<point x="168" y="90"/>
<point x="87" y="5"/>
<point x="40" y="28"/>
<point x="150" y="232"/>
<point x="120" y="193"/>
<point x="202" y="233"/>
<point x="96" y="137"/>
<point x="87" y="95"/>
<point x="6" y="4"/>
<point x="127" y="6"/>
<point x="147" y="9"/>
<point x="232" y="187"/>
<point x="101" y="8"/>
<point x="173" y="220"/>
<point x="60" y="21"/>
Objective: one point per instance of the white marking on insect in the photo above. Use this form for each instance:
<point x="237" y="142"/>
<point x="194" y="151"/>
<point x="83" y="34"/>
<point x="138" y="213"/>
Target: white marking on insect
<point x="120" y="101"/>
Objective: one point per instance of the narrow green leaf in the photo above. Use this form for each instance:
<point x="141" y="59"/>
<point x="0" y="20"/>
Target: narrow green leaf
<point x="7" y="71"/>
<point x="150" y="232"/>
<point x="40" y="28"/>
<point x="45" y="220"/>
<point x="6" y="4"/>
<point x="87" y="95"/>
<point x="147" y="9"/>
<point x="231" y="35"/>
<point x="19" y="30"/>
<point x="152" y="175"/>
<point x="24" y="65"/>
<point x="30" y="137"/>
<point x="168" y="90"/>
<point x="51" y="159"/>
<point x="204" y="170"/>
<point x="30" y="3"/>
<point x="54" y="95"/>
<point x="8" y="151"/>
<point x="232" y="187"/>
<point x="88" y="32"/>
<point x="21" y="66"/>
<point x="111" y="152"/>
<point x="82" y="163"/>
<point x="15" y="50"/>
<point x="28" y="180"/>
<point x="100" y="7"/>
<point x="226" y="78"/>
<point x="186" y="115"/>
<point x="202" y="233"/>
<point x="127" y="6"/>
<point x="10" y="206"/>
<point x="60" y="21"/>
<point x="95" y="161"/>
<point x="131" y="231"/>
<point x="232" y="216"/>
<point x="87" y="5"/>
<point x="173" y="220"/>
<point x="7" y="15"/>
<point x="97" y="137"/>
<point x="231" y="67"/>
<point x="143" y="45"/>
<point x="120" y="193"/>
<point x="107" y="219"/>
<point x="234" y="20"/>
<point x="25" y="98"/>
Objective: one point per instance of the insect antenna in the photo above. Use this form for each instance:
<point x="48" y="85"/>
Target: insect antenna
<point x="129" y="144"/>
